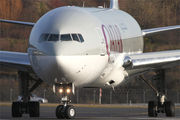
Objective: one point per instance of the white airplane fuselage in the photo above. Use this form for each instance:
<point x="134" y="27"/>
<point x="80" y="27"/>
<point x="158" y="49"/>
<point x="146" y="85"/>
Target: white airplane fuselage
<point x="108" y="35"/>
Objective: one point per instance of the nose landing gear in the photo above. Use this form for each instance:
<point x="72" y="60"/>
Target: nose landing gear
<point x="65" y="110"/>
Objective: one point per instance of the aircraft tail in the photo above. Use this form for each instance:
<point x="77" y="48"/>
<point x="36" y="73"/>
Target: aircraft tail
<point x="114" y="4"/>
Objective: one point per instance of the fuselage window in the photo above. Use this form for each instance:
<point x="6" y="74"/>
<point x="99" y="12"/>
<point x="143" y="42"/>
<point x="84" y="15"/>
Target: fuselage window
<point x="75" y="37"/>
<point x="66" y="37"/>
<point x="53" y="37"/>
<point x="81" y="38"/>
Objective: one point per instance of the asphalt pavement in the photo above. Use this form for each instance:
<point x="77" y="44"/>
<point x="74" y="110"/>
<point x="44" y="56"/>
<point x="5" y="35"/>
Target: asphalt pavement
<point x="93" y="113"/>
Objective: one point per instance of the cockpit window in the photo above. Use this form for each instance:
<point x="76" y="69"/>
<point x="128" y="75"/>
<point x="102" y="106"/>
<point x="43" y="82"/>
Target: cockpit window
<point x="43" y="37"/>
<point x="81" y="38"/>
<point x="66" y="37"/>
<point x="75" y="37"/>
<point x="53" y="37"/>
<point x="40" y="38"/>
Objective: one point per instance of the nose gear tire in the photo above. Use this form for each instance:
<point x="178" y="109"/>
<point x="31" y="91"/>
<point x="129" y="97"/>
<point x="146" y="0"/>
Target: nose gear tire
<point x="70" y="112"/>
<point x="59" y="112"/>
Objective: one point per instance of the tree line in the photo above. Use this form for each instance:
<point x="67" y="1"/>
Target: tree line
<point x="148" y="13"/>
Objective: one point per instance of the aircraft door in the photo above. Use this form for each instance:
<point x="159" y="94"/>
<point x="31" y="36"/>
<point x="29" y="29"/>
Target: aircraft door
<point x="102" y="41"/>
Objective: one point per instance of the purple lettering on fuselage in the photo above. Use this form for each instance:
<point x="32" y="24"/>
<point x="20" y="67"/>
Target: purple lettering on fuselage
<point x="120" y="40"/>
<point x="110" y="37"/>
<point x="114" y="38"/>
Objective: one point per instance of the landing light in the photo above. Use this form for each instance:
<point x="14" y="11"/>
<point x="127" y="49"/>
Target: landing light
<point x="68" y="90"/>
<point x="60" y="90"/>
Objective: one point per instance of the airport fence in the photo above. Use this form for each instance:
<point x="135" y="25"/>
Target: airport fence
<point x="92" y="96"/>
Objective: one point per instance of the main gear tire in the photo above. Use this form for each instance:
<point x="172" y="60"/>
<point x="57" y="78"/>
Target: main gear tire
<point x="16" y="109"/>
<point x="34" y="109"/>
<point x="170" y="109"/>
<point x="152" y="105"/>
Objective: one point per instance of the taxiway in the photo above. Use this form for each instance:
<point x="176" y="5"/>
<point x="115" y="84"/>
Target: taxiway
<point x="93" y="113"/>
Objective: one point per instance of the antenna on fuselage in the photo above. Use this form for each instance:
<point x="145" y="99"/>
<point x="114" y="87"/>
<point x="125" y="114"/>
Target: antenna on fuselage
<point x="114" y="4"/>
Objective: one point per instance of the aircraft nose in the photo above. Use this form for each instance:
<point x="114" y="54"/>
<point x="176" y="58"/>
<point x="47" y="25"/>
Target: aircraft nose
<point x="47" y="67"/>
<point x="51" y="61"/>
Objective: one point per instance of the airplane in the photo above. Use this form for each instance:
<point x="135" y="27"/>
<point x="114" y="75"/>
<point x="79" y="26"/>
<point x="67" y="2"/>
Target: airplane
<point x="72" y="47"/>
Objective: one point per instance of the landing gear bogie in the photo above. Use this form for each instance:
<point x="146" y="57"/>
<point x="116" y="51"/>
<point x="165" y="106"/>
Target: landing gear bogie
<point x="161" y="106"/>
<point x="25" y="106"/>
<point x="31" y="108"/>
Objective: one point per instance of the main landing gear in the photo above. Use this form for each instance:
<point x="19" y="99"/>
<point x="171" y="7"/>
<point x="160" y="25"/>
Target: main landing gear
<point x="65" y="110"/>
<point x="25" y="106"/>
<point x="161" y="105"/>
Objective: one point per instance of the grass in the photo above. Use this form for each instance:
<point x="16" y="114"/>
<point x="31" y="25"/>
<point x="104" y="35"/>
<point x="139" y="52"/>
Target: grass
<point x="89" y="105"/>
<point x="84" y="105"/>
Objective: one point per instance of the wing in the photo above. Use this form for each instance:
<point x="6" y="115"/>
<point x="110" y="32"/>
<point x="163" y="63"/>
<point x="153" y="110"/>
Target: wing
<point x="16" y="60"/>
<point x="136" y="64"/>
<point x="154" y="31"/>
<point x="18" y="22"/>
